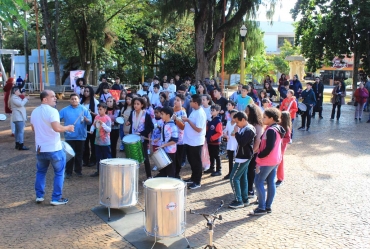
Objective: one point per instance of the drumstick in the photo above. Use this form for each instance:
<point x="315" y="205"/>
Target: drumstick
<point x="78" y="117"/>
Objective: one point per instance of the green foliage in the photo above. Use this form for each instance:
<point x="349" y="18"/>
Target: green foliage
<point x="259" y="66"/>
<point x="332" y="28"/>
<point x="279" y="61"/>
<point x="254" y="45"/>
<point x="176" y="63"/>
<point x="11" y="13"/>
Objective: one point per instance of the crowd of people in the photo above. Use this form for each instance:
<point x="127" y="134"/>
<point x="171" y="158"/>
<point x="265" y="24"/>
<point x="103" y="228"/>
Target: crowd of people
<point x="185" y="119"/>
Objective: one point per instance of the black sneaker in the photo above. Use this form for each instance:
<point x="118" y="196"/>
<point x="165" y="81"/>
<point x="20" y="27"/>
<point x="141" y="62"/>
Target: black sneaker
<point x="68" y="176"/>
<point x="194" y="186"/>
<point x="246" y="203"/>
<point x="251" y="194"/>
<point x="308" y="128"/>
<point x="95" y="174"/>
<point x="368" y="121"/>
<point x="258" y="211"/>
<point x="321" y="117"/>
<point x="279" y="183"/>
<point x="188" y="181"/>
<point x="268" y="210"/>
<point x="209" y="171"/>
<point x="301" y="128"/>
<point x="236" y="204"/>
<point x="217" y="173"/>
<point x="227" y="177"/>
<point x="79" y="174"/>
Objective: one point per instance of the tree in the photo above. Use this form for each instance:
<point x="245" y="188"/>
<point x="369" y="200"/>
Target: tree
<point x="332" y="28"/>
<point x="279" y="60"/>
<point x="11" y="12"/>
<point x="208" y="23"/>
<point x="50" y="18"/>
<point x="259" y="66"/>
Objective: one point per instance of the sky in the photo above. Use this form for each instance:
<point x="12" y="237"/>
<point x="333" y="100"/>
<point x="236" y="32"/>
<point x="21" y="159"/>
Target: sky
<point x="282" y="10"/>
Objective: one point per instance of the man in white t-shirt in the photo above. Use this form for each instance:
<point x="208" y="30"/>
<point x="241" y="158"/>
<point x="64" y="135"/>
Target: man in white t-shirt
<point x="194" y="137"/>
<point x="45" y="122"/>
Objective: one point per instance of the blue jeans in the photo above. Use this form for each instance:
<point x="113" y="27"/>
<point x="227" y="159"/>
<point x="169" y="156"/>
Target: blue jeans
<point x="102" y="152"/>
<point x="239" y="181"/>
<point x="58" y="161"/>
<point x="19" y="131"/>
<point x="267" y="173"/>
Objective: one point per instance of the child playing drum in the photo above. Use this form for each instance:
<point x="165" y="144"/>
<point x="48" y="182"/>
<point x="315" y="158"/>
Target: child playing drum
<point x="141" y="124"/>
<point x="102" y="125"/>
<point x="156" y="134"/>
<point x="169" y="138"/>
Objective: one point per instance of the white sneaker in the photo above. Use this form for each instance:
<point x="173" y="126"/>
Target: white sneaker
<point x="39" y="200"/>
<point x="291" y="141"/>
<point x="62" y="201"/>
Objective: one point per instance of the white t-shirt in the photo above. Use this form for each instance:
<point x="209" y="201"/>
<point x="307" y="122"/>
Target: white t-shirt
<point x="191" y="137"/>
<point x="45" y="136"/>
<point x="155" y="99"/>
<point x="87" y="106"/>
<point x="207" y="110"/>
<point x="232" y="144"/>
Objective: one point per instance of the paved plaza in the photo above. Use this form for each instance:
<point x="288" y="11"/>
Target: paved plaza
<point x="323" y="203"/>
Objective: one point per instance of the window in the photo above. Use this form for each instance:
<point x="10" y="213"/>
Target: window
<point x="282" y="38"/>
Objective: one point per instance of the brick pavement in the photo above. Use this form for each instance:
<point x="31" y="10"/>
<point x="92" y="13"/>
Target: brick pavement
<point x="322" y="204"/>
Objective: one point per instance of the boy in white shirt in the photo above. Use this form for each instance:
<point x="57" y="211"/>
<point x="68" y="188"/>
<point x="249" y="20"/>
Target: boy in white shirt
<point x="232" y="144"/>
<point x="154" y="100"/>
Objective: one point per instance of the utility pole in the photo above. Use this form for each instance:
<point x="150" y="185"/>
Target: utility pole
<point x="26" y="60"/>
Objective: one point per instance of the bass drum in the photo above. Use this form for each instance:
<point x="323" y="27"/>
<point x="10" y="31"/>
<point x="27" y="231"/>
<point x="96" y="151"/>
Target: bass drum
<point x="165" y="201"/>
<point x="118" y="182"/>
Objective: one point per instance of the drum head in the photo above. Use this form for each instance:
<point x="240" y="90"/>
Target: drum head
<point x="131" y="139"/>
<point x="67" y="148"/>
<point x="118" y="161"/>
<point x="120" y="120"/>
<point x="302" y="107"/>
<point x="2" y="117"/>
<point x="164" y="183"/>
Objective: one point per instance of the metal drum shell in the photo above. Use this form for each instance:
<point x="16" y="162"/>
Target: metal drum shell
<point x="118" y="182"/>
<point x="165" y="208"/>
<point x="133" y="147"/>
<point x="70" y="153"/>
<point x="161" y="159"/>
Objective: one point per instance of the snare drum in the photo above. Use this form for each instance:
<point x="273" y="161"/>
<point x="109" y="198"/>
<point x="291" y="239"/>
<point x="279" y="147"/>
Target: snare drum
<point x="120" y="120"/>
<point x="70" y="153"/>
<point x="133" y="147"/>
<point x="161" y="159"/>
<point x="118" y="182"/>
<point x="301" y="108"/>
<point x="165" y="207"/>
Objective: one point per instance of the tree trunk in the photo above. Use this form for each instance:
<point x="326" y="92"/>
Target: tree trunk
<point x="356" y="64"/>
<point x="51" y="34"/>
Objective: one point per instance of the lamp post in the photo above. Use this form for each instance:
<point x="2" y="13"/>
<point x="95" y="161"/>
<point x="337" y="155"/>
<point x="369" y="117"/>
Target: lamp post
<point x="43" y="41"/>
<point x="243" y="33"/>
<point x="142" y="52"/>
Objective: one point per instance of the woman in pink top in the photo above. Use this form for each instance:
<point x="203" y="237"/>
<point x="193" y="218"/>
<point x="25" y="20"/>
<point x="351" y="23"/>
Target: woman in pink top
<point x="290" y="104"/>
<point x="268" y="158"/>
<point x="286" y="123"/>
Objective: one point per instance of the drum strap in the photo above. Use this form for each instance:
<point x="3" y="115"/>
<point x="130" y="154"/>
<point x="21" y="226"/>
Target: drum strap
<point x="163" y="138"/>
<point x="290" y="105"/>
